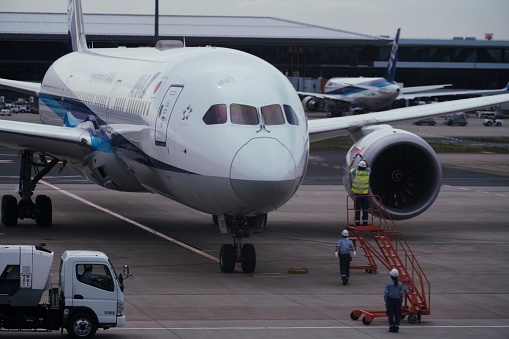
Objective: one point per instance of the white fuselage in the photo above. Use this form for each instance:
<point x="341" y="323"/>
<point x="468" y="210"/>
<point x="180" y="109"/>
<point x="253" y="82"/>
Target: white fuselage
<point x="371" y="93"/>
<point x="150" y="108"/>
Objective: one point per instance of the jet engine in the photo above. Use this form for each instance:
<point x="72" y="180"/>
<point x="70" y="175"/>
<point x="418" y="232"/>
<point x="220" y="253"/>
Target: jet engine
<point x="310" y="104"/>
<point x="405" y="172"/>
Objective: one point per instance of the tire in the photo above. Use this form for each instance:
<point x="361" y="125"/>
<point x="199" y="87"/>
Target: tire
<point x="353" y="316"/>
<point x="499" y="124"/>
<point x="248" y="262"/>
<point x="365" y="321"/>
<point x="215" y="220"/>
<point x="227" y="258"/>
<point x="412" y="318"/>
<point x="488" y="123"/>
<point x="44" y="213"/>
<point x="9" y="211"/>
<point x="81" y="325"/>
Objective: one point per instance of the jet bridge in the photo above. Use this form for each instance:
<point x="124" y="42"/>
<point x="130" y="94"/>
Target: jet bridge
<point x="380" y="241"/>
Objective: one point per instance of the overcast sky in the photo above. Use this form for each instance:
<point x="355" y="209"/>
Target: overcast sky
<point x="422" y="19"/>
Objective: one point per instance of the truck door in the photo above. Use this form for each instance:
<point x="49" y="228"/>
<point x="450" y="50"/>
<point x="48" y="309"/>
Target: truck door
<point x="94" y="287"/>
<point x="164" y="113"/>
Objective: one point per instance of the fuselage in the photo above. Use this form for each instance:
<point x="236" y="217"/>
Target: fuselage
<point x="371" y="93"/>
<point x="215" y="129"/>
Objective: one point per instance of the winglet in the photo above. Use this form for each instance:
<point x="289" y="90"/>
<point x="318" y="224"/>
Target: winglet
<point x="76" y="31"/>
<point x="390" y="73"/>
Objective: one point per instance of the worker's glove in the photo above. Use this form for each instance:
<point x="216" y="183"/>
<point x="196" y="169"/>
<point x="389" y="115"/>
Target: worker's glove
<point x="336" y="254"/>
<point x="354" y="253"/>
<point x="385" y="305"/>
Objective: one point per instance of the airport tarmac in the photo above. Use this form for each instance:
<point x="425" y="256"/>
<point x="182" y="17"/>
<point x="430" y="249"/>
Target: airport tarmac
<point x="461" y="242"/>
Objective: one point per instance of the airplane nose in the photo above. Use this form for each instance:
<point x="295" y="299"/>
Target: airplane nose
<point x="262" y="173"/>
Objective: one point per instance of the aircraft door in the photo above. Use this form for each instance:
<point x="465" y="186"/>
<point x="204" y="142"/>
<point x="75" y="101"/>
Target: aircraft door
<point x="164" y="114"/>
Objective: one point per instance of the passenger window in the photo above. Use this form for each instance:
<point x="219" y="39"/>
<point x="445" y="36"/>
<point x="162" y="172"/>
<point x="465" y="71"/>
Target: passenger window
<point x="243" y="115"/>
<point x="215" y="115"/>
<point x="291" y="116"/>
<point x="272" y="115"/>
<point x="98" y="276"/>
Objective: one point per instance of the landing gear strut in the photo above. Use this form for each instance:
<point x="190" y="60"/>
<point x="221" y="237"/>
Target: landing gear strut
<point x="238" y="252"/>
<point x="41" y="210"/>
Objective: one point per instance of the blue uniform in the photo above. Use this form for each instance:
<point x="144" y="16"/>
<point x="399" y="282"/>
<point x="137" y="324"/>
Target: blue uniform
<point x="393" y="298"/>
<point x="344" y="245"/>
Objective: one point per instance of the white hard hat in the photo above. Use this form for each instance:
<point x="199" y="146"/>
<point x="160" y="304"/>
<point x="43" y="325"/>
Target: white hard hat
<point x="362" y="163"/>
<point x="394" y="273"/>
<point x="344" y="233"/>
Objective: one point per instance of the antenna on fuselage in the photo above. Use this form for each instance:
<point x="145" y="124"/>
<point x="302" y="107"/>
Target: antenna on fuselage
<point x="156" y="24"/>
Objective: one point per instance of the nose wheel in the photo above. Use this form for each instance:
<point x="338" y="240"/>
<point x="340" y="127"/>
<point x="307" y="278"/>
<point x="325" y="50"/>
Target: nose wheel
<point x="232" y="254"/>
<point x="245" y="254"/>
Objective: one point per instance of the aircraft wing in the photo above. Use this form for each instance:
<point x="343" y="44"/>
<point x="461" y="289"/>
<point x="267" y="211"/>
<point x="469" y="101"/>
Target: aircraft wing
<point x="412" y="94"/>
<point x="324" y="96"/>
<point x="415" y="89"/>
<point x="329" y="128"/>
<point x="71" y="144"/>
<point x="30" y="88"/>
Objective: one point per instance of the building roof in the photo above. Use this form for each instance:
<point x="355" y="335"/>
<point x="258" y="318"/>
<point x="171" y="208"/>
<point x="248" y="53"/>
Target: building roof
<point x="174" y="26"/>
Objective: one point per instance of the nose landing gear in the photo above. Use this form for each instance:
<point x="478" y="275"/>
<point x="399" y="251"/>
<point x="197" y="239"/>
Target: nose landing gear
<point x="238" y="252"/>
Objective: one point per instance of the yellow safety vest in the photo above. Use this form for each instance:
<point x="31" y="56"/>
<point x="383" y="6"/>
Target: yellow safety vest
<point x="360" y="182"/>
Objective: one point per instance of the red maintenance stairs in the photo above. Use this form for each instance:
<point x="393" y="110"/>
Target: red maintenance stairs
<point x="380" y="240"/>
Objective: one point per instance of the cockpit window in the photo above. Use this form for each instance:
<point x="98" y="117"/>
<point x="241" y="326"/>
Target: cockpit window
<point x="291" y="116"/>
<point x="243" y="115"/>
<point x="215" y="115"/>
<point x="272" y="115"/>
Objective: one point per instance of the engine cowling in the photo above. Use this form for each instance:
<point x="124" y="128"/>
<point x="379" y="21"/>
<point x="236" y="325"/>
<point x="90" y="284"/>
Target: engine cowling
<point x="310" y="104"/>
<point x="405" y="171"/>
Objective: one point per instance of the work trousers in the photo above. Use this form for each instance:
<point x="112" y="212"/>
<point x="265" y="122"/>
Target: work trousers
<point x="344" y="265"/>
<point x="361" y="203"/>
<point x="394" y="313"/>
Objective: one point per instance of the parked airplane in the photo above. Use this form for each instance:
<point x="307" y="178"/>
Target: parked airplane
<point x="216" y="129"/>
<point x="378" y="93"/>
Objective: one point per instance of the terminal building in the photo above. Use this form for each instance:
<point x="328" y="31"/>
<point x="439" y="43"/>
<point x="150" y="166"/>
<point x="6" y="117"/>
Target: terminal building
<point x="31" y="42"/>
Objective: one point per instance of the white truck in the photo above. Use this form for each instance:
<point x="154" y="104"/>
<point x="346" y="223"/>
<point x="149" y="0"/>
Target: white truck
<point x="492" y="122"/>
<point x="89" y="294"/>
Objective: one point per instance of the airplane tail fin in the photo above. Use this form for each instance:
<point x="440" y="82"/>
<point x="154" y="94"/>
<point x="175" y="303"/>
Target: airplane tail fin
<point x="76" y="30"/>
<point x="390" y="73"/>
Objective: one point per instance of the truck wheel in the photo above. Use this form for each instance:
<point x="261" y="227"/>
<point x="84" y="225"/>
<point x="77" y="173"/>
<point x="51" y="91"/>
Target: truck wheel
<point x="81" y="325"/>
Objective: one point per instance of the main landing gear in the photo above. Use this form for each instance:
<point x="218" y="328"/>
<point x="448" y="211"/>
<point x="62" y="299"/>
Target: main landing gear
<point x="41" y="210"/>
<point x="238" y="252"/>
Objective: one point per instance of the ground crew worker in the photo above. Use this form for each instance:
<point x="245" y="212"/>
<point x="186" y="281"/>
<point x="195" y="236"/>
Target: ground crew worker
<point x="393" y="298"/>
<point x="343" y="248"/>
<point x="360" y="188"/>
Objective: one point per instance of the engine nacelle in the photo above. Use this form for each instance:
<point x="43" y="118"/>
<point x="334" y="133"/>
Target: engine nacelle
<point x="405" y="171"/>
<point x="310" y="104"/>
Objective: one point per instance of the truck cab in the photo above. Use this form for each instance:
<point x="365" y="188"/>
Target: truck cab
<point x="91" y="289"/>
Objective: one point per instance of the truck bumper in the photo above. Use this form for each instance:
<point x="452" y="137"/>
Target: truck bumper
<point x="121" y="321"/>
